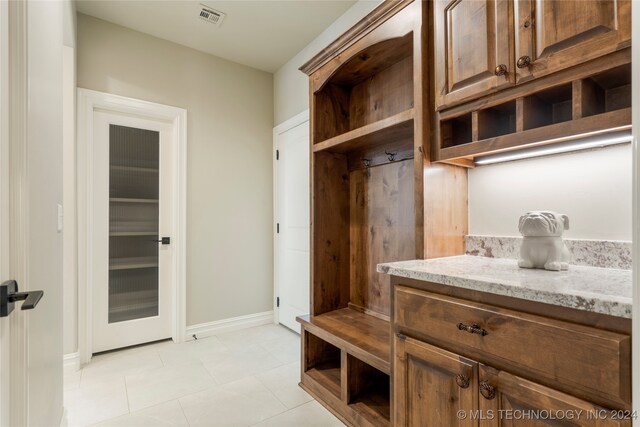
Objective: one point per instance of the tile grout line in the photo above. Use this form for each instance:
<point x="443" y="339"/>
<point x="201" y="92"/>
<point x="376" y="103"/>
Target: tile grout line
<point x="183" y="413"/>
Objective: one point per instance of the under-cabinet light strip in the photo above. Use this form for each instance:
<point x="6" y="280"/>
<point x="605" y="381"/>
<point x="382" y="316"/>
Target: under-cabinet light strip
<point x="577" y="142"/>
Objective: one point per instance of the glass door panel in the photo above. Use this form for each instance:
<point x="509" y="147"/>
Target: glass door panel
<point x="134" y="184"/>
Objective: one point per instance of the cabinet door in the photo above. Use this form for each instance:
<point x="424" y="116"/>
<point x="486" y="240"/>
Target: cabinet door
<point x="473" y="48"/>
<point x="507" y="400"/>
<point x="554" y="35"/>
<point x="432" y="385"/>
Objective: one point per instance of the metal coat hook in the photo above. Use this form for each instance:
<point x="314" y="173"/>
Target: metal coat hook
<point x="391" y="156"/>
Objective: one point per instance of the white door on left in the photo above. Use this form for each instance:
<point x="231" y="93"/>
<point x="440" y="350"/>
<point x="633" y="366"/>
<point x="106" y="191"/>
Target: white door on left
<point x="31" y="135"/>
<point x="132" y="222"/>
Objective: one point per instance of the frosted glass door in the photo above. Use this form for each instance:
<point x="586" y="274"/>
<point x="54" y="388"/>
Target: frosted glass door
<point x="133" y="223"/>
<point x="132" y="210"/>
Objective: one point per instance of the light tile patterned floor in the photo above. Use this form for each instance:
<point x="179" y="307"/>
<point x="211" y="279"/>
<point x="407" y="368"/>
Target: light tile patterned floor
<point x="243" y="378"/>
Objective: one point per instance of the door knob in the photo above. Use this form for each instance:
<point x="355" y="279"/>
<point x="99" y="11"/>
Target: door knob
<point x="9" y="295"/>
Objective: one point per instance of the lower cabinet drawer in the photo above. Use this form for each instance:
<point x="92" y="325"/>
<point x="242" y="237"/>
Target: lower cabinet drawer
<point x="591" y="360"/>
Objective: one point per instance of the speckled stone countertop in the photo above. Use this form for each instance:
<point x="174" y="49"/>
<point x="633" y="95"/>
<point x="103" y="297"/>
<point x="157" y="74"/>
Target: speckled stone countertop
<point x="600" y="290"/>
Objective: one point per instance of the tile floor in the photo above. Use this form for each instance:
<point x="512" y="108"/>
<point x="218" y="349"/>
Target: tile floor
<point x="243" y="378"/>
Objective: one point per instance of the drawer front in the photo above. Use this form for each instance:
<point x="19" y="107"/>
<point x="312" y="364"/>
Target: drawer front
<point x="592" y="360"/>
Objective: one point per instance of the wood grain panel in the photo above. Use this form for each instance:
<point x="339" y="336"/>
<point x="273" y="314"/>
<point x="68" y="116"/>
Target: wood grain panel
<point x="382" y="229"/>
<point x="561" y="34"/>
<point x="471" y="39"/>
<point x="330" y="113"/>
<point x="385" y="94"/>
<point x="516" y="395"/>
<point x="445" y="210"/>
<point x="426" y="393"/>
<point x="330" y="233"/>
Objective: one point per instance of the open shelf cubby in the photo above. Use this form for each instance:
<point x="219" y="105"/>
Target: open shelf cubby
<point x="605" y="92"/>
<point x="548" y="107"/>
<point x="368" y="391"/>
<point x="372" y="86"/>
<point x="323" y="363"/>
<point x="456" y="131"/>
<point x="594" y="103"/>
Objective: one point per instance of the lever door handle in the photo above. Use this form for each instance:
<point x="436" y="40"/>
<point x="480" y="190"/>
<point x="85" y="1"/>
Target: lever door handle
<point x="9" y="295"/>
<point x="164" y="240"/>
<point x="31" y="299"/>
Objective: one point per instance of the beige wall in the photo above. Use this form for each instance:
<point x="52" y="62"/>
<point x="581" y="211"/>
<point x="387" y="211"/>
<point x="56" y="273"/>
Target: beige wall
<point x="592" y="187"/>
<point x="229" y="176"/>
<point x="291" y="86"/>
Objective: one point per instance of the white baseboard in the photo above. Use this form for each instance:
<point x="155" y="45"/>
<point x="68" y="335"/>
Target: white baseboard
<point x="203" y="330"/>
<point x="71" y="362"/>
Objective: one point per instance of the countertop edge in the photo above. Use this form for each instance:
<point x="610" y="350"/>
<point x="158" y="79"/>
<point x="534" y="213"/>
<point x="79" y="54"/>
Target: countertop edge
<point x="612" y="306"/>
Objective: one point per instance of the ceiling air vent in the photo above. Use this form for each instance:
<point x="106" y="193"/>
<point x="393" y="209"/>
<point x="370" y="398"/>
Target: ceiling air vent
<point x="211" y="15"/>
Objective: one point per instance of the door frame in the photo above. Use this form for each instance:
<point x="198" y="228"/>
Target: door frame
<point x="283" y="127"/>
<point x="88" y="102"/>
<point x="13" y="198"/>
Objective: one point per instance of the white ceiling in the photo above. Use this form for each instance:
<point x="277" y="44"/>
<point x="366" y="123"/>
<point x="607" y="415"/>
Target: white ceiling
<point x="261" y="34"/>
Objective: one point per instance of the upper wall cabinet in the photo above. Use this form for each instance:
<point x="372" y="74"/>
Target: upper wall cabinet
<point x="553" y="35"/>
<point x="474" y="48"/>
<point x="483" y="46"/>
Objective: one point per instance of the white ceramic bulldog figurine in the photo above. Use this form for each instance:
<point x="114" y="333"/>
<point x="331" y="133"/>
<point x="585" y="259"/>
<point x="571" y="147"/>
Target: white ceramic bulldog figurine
<point x="542" y="245"/>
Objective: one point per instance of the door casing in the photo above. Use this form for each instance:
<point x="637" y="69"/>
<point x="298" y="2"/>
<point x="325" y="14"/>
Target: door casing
<point x="88" y="102"/>
<point x="289" y="124"/>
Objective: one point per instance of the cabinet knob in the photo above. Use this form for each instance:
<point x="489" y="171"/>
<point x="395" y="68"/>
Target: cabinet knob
<point x="501" y="70"/>
<point x="524" y="61"/>
<point x="462" y="381"/>
<point x="487" y="390"/>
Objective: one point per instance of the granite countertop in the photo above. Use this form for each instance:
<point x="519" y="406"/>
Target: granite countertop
<point x="600" y="290"/>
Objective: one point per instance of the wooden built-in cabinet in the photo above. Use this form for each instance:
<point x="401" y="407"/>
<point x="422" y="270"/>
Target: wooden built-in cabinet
<point x="473" y="40"/>
<point x="460" y="362"/>
<point x="371" y="122"/>
<point x="515" y="73"/>
<point x="392" y="135"/>
<point x="482" y="46"/>
<point x="435" y="387"/>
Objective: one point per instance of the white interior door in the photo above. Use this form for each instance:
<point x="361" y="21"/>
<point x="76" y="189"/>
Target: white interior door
<point x="30" y="198"/>
<point x="293" y="219"/>
<point x="132" y="213"/>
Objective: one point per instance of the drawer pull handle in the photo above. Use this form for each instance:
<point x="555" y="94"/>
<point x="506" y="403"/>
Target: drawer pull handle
<point x="487" y="390"/>
<point x="462" y="381"/>
<point x="473" y="329"/>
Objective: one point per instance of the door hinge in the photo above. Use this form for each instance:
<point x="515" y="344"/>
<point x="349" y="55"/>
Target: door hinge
<point x="277" y="301"/>
<point x="277" y="154"/>
<point x="278" y="228"/>
<point x="401" y="336"/>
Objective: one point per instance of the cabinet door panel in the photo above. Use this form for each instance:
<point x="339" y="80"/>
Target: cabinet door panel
<point x="522" y="403"/>
<point x="560" y="34"/>
<point x="472" y="38"/>
<point x="426" y="392"/>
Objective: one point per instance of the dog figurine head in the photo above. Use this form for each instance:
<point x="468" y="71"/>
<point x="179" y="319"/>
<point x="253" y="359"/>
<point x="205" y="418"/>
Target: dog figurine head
<point x="543" y="223"/>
